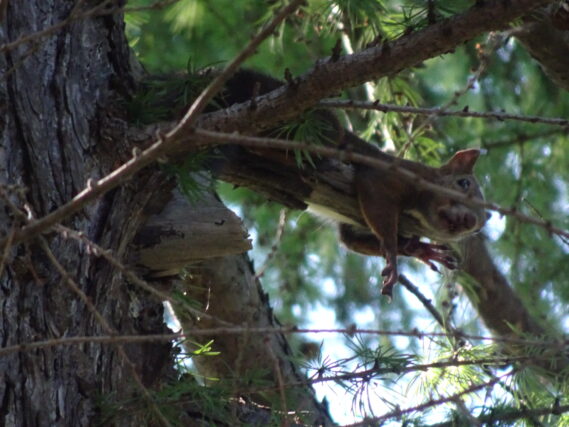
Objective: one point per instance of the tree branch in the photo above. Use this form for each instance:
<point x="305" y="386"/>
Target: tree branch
<point x="437" y="111"/>
<point x="559" y="345"/>
<point x="327" y="77"/>
<point x="547" y="44"/>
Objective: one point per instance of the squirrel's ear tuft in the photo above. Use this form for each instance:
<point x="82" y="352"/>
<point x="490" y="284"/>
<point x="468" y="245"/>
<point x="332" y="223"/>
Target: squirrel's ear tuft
<point x="462" y="162"/>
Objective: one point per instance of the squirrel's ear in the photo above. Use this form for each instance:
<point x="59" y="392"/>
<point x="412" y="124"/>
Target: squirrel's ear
<point x="462" y="162"/>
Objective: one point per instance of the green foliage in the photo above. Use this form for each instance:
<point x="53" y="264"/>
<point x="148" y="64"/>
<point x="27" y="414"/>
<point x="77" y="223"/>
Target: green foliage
<point x="203" y="349"/>
<point x="311" y="127"/>
<point x="165" y="97"/>
<point x="191" y="183"/>
<point x="212" y="401"/>
<point x="361" y="20"/>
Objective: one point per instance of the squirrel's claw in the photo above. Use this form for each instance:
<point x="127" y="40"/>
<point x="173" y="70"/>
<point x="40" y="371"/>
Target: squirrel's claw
<point x="429" y="252"/>
<point x="390" y="279"/>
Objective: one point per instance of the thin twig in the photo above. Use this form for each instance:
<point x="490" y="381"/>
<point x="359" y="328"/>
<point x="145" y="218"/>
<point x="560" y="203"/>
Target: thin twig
<point x="550" y="345"/>
<point x="429" y="404"/>
<point x="484" y="58"/>
<point x="275" y="245"/>
<point x="370" y="373"/>
<point x="100" y="339"/>
<point x="455" y="333"/>
<point x="512" y="415"/>
<point x="424" y="300"/>
<point x="521" y="139"/>
<point x="73" y="16"/>
<point x="440" y="111"/>
<point x="280" y="382"/>
<point x="186" y="123"/>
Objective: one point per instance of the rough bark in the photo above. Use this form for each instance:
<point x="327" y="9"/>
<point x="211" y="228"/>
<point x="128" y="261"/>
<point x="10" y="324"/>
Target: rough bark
<point x="52" y="95"/>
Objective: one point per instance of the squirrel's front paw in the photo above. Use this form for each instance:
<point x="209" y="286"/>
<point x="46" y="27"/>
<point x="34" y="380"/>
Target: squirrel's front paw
<point x="440" y="253"/>
<point x="429" y="252"/>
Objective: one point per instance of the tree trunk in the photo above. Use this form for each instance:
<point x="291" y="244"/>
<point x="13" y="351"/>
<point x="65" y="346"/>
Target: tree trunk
<point x="53" y="92"/>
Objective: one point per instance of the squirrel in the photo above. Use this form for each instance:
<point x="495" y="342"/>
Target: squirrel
<point x="397" y="213"/>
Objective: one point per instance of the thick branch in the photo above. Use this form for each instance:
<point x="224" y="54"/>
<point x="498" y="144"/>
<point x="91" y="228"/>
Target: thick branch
<point x="498" y="305"/>
<point x="184" y="233"/>
<point x="548" y="44"/>
<point x="327" y="78"/>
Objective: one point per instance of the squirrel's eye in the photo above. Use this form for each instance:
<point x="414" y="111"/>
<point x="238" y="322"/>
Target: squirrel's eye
<point x="464" y="183"/>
